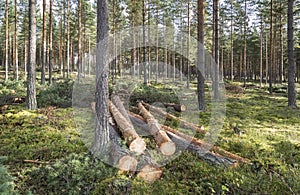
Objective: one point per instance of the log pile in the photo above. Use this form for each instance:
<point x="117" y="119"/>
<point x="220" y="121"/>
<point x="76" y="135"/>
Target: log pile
<point x="168" y="140"/>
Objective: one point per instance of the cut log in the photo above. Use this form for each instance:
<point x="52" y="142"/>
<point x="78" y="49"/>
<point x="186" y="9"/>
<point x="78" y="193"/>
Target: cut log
<point x="148" y="169"/>
<point x="177" y="107"/>
<point x="134" y="141"/>
<point x="205" y="155"/>
<point x="182" y="143"/>
<point x="119" y="105"/>
<point x="119" y="156"/>
<point x="165" y="144"/>
<point x="184" y="123"/>
<point x="204" y="144"/>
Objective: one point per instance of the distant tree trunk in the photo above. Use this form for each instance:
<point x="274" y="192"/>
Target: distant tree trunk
<point x="50" y="45"/>
<point x="31" y="103"/>
<point x="79" y="42"/>
<point x="201" y="60"/>
<point x="16" y="62"/>
<point x="292" y="67"/>
<point x="271" y="49"/>
<point x="267" y="59"/>
<point x="6" y="40"/>
<point x="68" y="39"/>
<point x="133" y="43"/>
<point x="188" y="48"/>
<point x="231" y="43"/>
<point x="44" y="43"/>
<point x="261" y="54"/>
<point x="245" y="43"/>
<point x="102" y="94"/>
<point x="144" y="43"/>
<point x="156" y="48"/>
<point x="281" y="63"/>
<point x="216" y="48"/>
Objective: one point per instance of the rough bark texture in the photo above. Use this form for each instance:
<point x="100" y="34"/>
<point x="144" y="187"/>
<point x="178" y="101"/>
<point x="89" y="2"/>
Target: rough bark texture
<point x="165" y="144"/>
<point x="200" y="57"/>
<point x="31" y="103"/>
<point x="101" y="139"/>
<point x="292" y="67"/>
<point x="134" y="142"/>
<point x="172" y="117"/>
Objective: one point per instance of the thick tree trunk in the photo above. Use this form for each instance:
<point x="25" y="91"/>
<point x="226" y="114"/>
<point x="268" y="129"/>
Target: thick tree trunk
<point x="166" y="146"/>
<point x="31" y="103"/>
<point x="101" y="139"/>
<point x="134" y="142"/>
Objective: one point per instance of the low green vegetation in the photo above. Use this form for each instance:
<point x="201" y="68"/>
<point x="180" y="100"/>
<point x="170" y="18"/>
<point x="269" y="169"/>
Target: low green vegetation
<point x="269" y="136"/>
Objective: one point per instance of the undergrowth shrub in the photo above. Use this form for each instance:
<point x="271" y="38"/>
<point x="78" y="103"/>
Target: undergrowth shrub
<point x="75" y="174"/>
<point x="59" y="94"/>
<point x="6" y="180"/>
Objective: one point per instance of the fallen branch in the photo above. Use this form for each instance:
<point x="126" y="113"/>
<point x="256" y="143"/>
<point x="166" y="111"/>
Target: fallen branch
<point x="165" y="144"/>
<point x="135" y="143"/>
<point x="172" y="117"/>
<point x="36" y="162"/>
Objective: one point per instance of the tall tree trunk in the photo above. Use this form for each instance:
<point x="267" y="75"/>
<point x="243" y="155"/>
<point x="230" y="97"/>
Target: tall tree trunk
<point x="133" y="43"/>
<point x="101" y="139"/>
<point x="68" y="39"/>
<point x="281" y="63"/>
<point x="144" y="43"/>
<point x="231" y="42"/>
<point x="271" y="49"/>
<point x="267" y="59"/>
<point x="31" y="103"/>
<point x="188" y="48"/>
<point x="292" y="67"/>
<point x="216" y="48"/>
<point x="16" y="62"/>
<point x="6" y="40"/>
<point x="79" y="42"/>
<point x="50" y="45"/>
<point x="200" y="59"/>
<point x="44" y="43"/>
<point x="245" y="43"/>
<point x="261" y="54"/>
<point x="156" y="48"/>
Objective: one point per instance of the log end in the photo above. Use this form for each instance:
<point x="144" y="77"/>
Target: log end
<point x="168" y="148"/>
<point x="150" y="173"/>
<point x="127" y="163"/>
<point x="138" y="146"/>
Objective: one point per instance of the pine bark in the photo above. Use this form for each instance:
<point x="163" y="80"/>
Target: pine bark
<point x="50" y="45"/>
<point x="101" y="139"/>
<point x="44" y="43"/>
<point x="31" y="103"/>
<point x="6" y="40"/>
<point x="16" y="62"/>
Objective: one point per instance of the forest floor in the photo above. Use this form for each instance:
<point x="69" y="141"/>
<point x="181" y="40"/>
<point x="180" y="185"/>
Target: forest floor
<point x="270" y="138"/>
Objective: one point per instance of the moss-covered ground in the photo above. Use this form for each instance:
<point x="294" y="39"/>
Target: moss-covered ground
<point x="269" y="136"/>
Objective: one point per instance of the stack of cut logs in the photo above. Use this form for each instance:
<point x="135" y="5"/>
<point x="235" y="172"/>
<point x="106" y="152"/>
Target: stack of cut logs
<point x="167" y="139"/>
